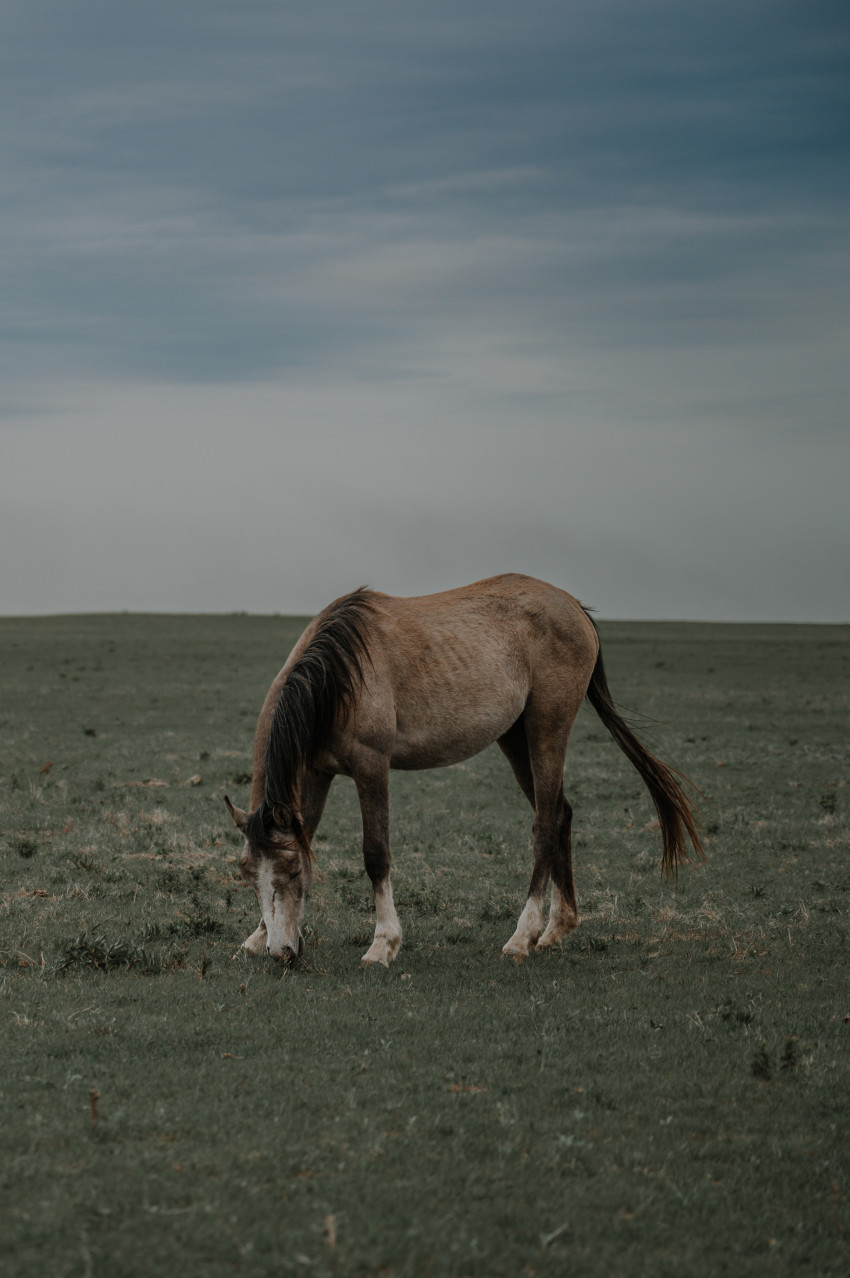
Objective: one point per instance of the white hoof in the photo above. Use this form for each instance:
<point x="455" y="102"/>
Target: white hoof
<point x="517" y="947"/>
<point x="554" y="934"/>
<point x="256" y="942"/>
<point x="528" y="928"/>
<point x="562" y="919"/>
<point x="382" y="950"/>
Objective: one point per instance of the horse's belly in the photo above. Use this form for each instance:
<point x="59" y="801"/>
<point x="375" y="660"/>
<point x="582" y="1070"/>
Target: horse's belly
<point x="450" y="739"/>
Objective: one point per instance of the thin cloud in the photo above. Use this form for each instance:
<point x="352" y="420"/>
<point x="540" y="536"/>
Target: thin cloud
<point x="482" y="285"/>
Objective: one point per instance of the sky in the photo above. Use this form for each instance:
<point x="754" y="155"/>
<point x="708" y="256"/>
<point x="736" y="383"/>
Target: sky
<point x="300" y="296"/>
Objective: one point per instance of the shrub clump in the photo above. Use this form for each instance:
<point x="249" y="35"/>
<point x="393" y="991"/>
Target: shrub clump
<point x="761" y="1063"/>
<point x="95" y="953"/>
<point x="198" y="921"/>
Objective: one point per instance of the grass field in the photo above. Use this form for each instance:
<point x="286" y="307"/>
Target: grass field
<point x="668" y="1094"/>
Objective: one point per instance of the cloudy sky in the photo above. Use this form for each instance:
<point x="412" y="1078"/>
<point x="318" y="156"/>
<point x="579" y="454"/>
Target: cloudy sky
<point x="299" y="295"/>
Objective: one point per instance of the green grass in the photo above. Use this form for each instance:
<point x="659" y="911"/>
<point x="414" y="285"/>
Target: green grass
<point x="668" y="1094"/>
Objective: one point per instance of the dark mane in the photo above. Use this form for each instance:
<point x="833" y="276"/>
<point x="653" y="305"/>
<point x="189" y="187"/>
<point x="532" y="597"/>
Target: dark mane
<point x="322" y="684"/>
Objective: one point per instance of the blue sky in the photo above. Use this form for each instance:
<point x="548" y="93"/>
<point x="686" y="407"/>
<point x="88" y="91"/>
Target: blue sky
<point x="299" y="296"/>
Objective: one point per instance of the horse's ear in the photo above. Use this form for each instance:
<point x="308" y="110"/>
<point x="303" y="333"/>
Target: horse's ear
<point x="240" y="818"/>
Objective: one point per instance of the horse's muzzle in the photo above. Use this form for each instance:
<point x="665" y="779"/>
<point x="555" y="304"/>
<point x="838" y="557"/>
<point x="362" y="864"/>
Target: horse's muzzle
<point x="288" y="953"/>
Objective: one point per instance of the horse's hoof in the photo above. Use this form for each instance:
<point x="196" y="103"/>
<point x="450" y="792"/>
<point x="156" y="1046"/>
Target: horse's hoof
<point x="379" y="954"/>
<point x="555" y="932"/>
<point x="254" y="947"/>
<point x="520" y="944"/>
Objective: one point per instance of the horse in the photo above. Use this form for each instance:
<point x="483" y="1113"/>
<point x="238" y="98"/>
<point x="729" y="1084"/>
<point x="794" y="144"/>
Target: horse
<point x="378" y="682"/>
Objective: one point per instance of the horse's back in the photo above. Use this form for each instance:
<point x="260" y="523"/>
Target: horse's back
<point x="458" y="668"/>
<point x="510" y="617"/>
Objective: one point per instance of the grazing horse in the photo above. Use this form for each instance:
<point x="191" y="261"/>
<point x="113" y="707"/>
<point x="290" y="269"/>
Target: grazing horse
<point x="377" y="682"/>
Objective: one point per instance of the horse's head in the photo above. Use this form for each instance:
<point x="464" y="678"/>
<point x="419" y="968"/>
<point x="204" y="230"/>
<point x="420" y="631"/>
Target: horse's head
<point x="280" y="872"/>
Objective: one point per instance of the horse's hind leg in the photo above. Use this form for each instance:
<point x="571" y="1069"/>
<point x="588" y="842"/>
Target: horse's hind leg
<point x="536" y="748"/>
<point x="563" y="912"/>
<point x="553" y="818"/>
<point x="373" y="793"/>
<point x="514" y="746"/>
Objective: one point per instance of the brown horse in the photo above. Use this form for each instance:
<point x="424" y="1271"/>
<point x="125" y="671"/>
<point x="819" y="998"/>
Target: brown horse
<point x="377" y="682"/>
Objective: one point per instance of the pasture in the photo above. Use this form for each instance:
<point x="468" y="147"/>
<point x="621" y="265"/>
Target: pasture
<point x="667" y="1093"/>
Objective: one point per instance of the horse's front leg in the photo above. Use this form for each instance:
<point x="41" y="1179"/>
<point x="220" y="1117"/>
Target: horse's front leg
<point x="373" y="793"/>
<point x="256" y="943"/>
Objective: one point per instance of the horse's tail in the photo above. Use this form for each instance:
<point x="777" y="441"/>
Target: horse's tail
<point x="675" y="813"/>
